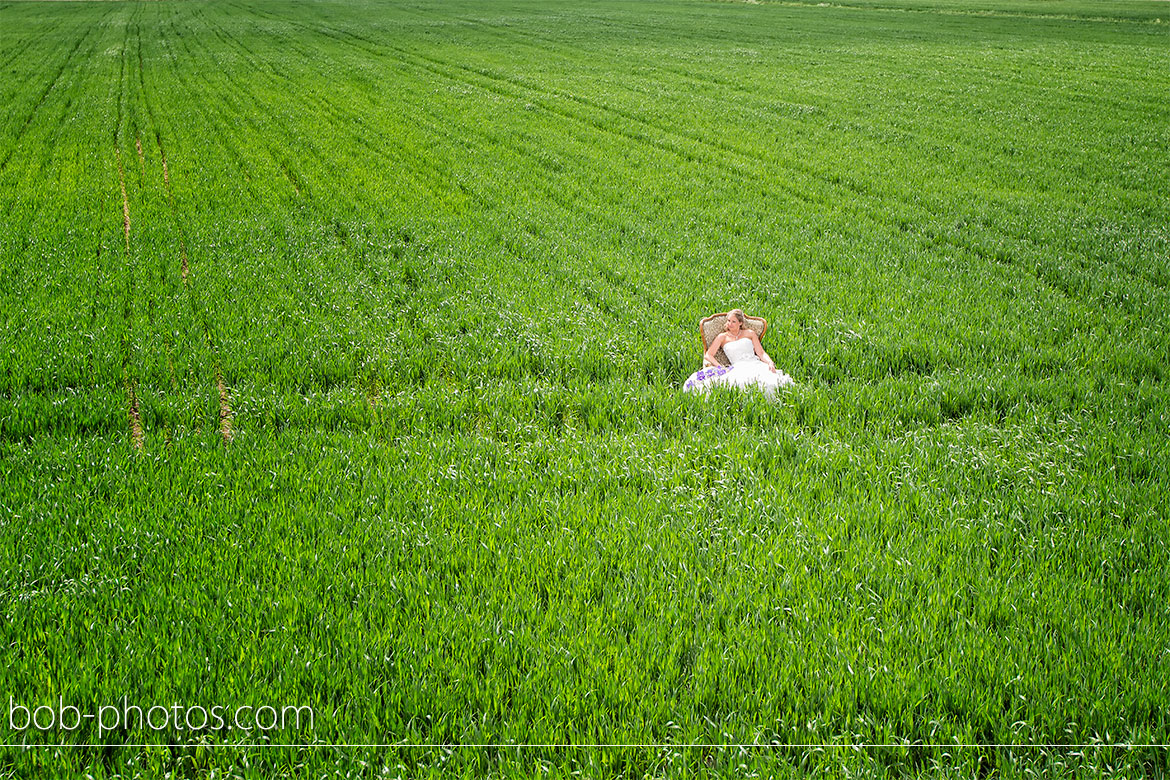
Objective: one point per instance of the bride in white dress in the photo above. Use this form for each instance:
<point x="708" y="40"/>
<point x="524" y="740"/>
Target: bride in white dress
<point x="750" y="364"/>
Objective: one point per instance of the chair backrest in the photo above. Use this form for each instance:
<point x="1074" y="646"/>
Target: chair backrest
<point x="710" y="327"/>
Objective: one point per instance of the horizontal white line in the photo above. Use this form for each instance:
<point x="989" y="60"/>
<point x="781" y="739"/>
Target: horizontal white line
<point x="1039" y="746"/>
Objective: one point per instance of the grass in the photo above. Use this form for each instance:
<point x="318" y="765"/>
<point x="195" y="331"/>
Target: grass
<point x="343" y="345"/>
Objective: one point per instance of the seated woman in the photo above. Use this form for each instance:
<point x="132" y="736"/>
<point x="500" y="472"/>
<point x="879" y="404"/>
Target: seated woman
<point x="750" y="364"/>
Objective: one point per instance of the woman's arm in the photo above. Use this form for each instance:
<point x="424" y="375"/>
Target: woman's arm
<point x="709" y="355"/>
<point x="760" y="353"/>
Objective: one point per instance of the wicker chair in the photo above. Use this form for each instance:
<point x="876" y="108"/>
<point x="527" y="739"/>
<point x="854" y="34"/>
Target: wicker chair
<point x="710" y="327"/>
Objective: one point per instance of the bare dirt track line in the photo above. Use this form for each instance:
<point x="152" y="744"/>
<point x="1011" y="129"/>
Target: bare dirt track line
<point x="184" y="266"/>
<point x="135" y="419"/>
<point x="136" y="434"/>
<point x="225" y="409"/>
<point x="226" y="416"/>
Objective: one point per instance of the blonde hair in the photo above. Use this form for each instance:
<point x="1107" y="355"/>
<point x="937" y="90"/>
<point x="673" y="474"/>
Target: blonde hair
<point x="739" y="315"/>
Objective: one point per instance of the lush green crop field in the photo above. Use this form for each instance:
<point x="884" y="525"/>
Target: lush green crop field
<point x="341" y="346"/>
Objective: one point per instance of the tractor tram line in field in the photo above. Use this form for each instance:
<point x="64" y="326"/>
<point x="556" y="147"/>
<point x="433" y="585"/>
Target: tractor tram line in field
<point x="225" y="413"/>
<point x="130" y="379"/>
<point x="549" y="190"/>
<point x="66" y="155"/>
<point x="223" y="395"/>
<point x="134" y="416"/>
<point x="141" y="157"/>
<point x="148" y="314"/>
<point x="155" y="130"/>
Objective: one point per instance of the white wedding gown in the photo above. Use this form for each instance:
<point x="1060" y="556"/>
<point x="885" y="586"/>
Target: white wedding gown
<point x="746" y="371"/>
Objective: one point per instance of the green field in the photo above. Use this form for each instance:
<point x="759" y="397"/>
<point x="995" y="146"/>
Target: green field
<point x="341" y="354"/>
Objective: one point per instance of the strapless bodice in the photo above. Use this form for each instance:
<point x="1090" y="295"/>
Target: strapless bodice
<point x="740" y="350"/>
